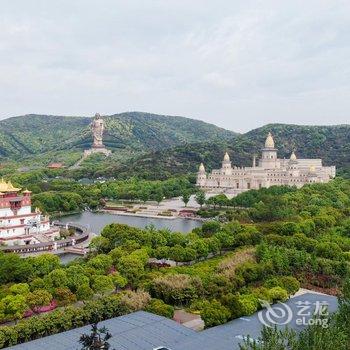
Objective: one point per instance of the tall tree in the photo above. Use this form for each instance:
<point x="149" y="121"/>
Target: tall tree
<point x="159" y="195"/>
<point x="186" y="197"/>
<point x="200" y="198"/>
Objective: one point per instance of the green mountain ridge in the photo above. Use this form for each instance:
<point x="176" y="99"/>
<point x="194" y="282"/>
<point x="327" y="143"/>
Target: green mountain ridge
<point x="33" y="134"/>
<point x="330" y="143"/>
<point x="156" y="146"/>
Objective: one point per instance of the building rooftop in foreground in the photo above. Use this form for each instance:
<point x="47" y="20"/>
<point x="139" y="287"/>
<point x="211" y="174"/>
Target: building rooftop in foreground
<point x="144" y="331"/>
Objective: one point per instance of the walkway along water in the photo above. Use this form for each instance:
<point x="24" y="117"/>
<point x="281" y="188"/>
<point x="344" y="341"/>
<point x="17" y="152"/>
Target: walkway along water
<point x="82" y="234"/>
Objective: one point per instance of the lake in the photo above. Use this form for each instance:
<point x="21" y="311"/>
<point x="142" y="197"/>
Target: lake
<point x="96" y="221"/>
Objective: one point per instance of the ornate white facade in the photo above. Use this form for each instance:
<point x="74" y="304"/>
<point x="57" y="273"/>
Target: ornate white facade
<point x="270" y="171"/>
<point x="18" y="224"/>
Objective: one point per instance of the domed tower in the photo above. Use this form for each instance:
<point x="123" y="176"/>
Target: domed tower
<point x="201" y="176"/>
<point x="226" y="165"/>
<point x="293" y="165"/>
<point x="269" y="154"/>
<point x="293" y="157"/>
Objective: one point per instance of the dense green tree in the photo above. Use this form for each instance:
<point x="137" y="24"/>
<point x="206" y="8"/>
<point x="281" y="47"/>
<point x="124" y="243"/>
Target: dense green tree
<point x="159" y="195"/>
<point x="102" y="284"/>
<point x="200" y="198"/>
<point x="56" y="278"/>
<point x="132" y="268"/>
<point x="37" y="298"/>
<point x="13" y="307"/>
<point x="45" y="263"/>
<point x="186" y="197"/>
<point x="102" y="263"/>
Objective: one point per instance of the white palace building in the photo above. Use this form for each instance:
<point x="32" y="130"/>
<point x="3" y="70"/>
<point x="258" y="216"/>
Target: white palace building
<point x="18" y="224"/>
<point x="270" y="171"/>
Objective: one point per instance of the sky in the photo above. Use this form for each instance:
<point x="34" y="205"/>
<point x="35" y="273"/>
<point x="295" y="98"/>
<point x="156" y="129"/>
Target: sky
<point x="236" y="64"/>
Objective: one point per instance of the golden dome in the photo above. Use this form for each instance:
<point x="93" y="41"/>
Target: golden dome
<point x="226" y="157"/>
<point x="293" y="156"/>
<point x="269" y="143"/>
<point x="201" y="168"/>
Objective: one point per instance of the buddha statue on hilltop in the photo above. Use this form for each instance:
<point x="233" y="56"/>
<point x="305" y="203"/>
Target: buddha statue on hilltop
<point x="97" y="128"/>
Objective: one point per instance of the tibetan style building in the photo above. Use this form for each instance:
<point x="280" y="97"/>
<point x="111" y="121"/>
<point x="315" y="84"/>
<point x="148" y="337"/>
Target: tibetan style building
<point x="18" y="224"/>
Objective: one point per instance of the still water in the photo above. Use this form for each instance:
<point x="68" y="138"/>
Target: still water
<point x="97" y="221"/>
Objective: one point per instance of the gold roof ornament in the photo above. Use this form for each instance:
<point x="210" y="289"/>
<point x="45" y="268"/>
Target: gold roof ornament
<point x="312" y="169"/>
<point x="27" y="191"/>
<point x="11" y="188"/>
<point x="226" y="157"/>
<point x="37" y="210"/>
<point x="201" y="168"/>
<point x="7" y="186"/>
<point x="269" y="143"/>
<point x="3" y="185"/>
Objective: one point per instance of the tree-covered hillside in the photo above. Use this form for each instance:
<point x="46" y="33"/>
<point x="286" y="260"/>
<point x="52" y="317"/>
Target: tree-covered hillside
<point x="331" y="143"/>
<point x="155" y="147"/>
<point x="32" y="134"/>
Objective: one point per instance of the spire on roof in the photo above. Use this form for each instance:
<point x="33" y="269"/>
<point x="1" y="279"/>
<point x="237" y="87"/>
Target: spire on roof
<point x="269" y="143"/>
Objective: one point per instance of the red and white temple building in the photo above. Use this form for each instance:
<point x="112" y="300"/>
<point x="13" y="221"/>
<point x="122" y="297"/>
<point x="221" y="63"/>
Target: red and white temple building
<point x="18" y="224"/>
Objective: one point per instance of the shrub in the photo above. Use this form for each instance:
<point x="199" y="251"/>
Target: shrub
<point x="64" y="296"/>
<point x="158" y="307"/>
<point x="289" y="228"/>
<point x="198" y="305"/>
<point x="231" y="301"/>
<point x="250" y="271"/>
<point x="61" y="320"/>
<point x="134" y="301"/>
<point x="84" y="292"/>
<point x="249" y="303"/>
<point x="37" y="298"/>
<point x="278" y="294"/>
<point x="328" y="250"/>
<point x="290" y="284"/>
<point x="214" y="313"/>
<point x="177" y="289"/>
<point x="262" y="293"/>
<point x="19" y="288"/>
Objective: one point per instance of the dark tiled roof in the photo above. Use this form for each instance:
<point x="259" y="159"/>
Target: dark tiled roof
<point x="145" y="331"/>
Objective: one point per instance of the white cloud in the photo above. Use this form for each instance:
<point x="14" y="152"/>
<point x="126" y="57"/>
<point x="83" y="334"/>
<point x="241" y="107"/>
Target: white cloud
<point x="238" y="64"/>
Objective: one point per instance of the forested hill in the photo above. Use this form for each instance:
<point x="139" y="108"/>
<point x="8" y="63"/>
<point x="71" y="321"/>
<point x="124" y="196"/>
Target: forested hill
<point x="155" y="146"/>
<point x="36" y="134"/>
<point x="331" y="143"/>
